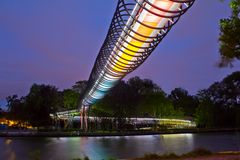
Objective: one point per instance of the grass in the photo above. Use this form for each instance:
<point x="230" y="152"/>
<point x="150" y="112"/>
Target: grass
<point x="171" y="156"/>
<point x="197" y="152"/>
<point x="85" y="158"/>
<point x="159" y="157"/>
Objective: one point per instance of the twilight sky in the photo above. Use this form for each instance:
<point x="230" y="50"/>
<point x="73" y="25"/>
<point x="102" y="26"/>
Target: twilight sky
<point x="56" y="42"/>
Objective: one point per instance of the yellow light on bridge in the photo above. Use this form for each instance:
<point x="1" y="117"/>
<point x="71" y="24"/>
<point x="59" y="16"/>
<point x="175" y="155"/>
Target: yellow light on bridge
<point x="130" y="41"/>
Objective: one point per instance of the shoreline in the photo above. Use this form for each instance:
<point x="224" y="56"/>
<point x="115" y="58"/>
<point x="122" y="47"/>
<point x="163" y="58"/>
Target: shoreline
<point x="27" y="133"/>
<point x="202" y="155"/>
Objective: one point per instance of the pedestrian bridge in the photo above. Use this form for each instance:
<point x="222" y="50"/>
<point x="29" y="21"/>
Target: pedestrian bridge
<point x="137" y="27"/>
<point x="73" y="115"/>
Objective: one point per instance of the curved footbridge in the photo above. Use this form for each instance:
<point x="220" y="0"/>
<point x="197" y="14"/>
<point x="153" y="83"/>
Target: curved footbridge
<point x="73" y="115"/>
<point x="136" y="29"/>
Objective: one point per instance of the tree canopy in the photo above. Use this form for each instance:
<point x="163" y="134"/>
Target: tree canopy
<point x="70" y="99"/>
<point x="216" y="106"/>
<point x="229" y="38"/>
<point x="36" y="107"/>
<point x="43" y="100"/>
<point x="181" y="99"/>
<point x="220" y="104"/>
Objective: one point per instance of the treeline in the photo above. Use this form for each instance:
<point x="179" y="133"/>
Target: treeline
<point x="216" y="106"/>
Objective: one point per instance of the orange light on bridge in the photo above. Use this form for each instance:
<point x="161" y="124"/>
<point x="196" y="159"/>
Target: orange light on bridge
<point x="134" y="33"/>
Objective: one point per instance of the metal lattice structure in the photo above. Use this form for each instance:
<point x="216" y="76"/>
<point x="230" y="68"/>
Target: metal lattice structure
<point x="137" y="27"/>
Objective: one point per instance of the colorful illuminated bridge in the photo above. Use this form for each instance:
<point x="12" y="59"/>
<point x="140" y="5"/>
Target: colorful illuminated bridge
<point x="137" y="27"/>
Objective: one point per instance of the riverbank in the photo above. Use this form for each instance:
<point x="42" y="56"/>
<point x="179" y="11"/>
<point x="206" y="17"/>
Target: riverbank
<point x="32" y="133"/>
<point x="197" y="154"/>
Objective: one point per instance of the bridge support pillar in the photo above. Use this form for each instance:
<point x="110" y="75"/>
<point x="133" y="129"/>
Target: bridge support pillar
<point x="81" y="118"/>
<point x="84" y="118"/>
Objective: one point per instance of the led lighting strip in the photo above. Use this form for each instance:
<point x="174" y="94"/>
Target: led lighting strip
<point x="136" y="29"/>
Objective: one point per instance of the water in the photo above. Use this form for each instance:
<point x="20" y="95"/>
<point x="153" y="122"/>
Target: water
<point x="118" y="147"/>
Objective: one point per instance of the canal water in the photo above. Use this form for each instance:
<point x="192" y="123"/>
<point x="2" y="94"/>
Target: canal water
<point x="98" y="148"/>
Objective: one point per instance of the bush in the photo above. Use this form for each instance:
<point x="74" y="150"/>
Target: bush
<point x="85" y="158"/>
<point x="159" y="157"/>
<point x="197" y="152"/>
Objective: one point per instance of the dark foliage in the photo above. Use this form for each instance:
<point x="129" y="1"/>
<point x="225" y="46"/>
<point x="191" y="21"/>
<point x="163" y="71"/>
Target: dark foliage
<point x="230" y="36"/>
<point x="216" y="106"/>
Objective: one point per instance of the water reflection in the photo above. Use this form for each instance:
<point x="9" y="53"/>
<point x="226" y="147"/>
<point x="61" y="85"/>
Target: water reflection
<point x="177" y="143"/>
<point x="118" y="147"/>
<point x="9" y="152"/>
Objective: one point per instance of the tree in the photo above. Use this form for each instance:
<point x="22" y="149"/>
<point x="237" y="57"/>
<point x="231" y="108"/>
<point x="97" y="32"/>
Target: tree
<point x="80" y="86"/>
<point x="137" y="97"/>
<point x="227" y="92"/>
<point x="158" y="105"/>
<point x="16" y="108"/>
<point x="182" y="100"/>
<point x="10" y="101"/>
<point x="229" y="38"/>
<point x="70" y="99"/>
<point x="1" y="112"/>
<point x="120" y="102"/>
<point x="148" y="95"/>
<point x="122" y="99"/>
<point x="143" y="86"/>
<point x="204" y="113"/>
<point x="220" y="103"/>
<point x="151" y="99"/>
<point x="225" y="96"/>
<point x="40" y="102"/>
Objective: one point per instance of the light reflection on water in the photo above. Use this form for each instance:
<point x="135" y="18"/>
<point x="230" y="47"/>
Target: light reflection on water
<point x="177" y="143"/>
<point x="117" y="147"/>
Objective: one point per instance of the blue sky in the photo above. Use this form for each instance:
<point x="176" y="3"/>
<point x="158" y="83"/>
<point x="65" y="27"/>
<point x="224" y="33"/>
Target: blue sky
<point x="56" y="42"/>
